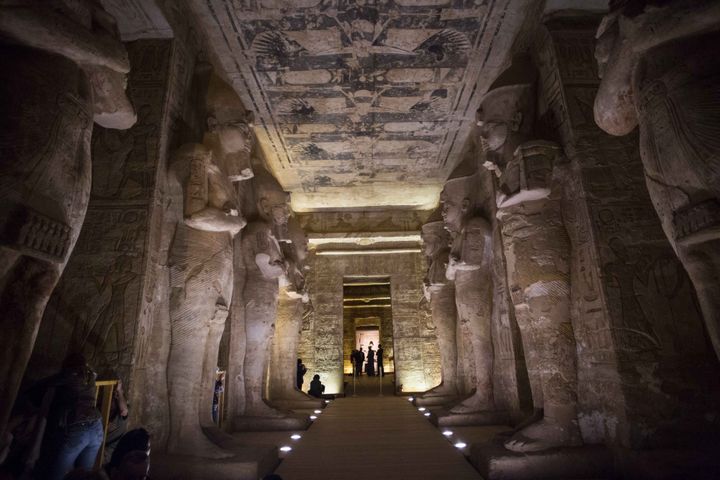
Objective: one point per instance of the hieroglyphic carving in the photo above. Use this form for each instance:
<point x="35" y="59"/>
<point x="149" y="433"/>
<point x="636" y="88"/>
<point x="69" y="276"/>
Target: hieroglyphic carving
<point x="631" y="291"/>
<point x="63" y="69"/>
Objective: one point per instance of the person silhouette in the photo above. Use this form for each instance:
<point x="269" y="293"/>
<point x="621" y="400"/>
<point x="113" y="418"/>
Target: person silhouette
<point x="359" y="359"/>
<point x="370" y="366"/>
<point x="300" y="373"/>
<point x="379" y="357"/>
<point x="316" y="388"/>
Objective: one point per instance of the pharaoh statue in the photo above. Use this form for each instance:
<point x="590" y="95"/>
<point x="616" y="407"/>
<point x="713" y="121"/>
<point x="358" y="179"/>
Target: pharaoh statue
<point x="206" y="215"/>
<point x="294" y="303"/>
<point x="440" y="293"/>
<point x="537" y="252"/>
<point x="264" y="266"/>
<point x="470" y="268"/>
<point x="62" y="68"/>
<point x="659" y="69"/>
<point x="229" y="137"/>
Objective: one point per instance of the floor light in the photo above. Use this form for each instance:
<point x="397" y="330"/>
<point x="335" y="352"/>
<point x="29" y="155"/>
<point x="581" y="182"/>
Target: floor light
<point x="295" y="436"/>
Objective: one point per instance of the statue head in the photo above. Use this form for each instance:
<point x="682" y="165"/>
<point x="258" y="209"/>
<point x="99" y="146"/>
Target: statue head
<point x="434" y="235"/>
<point x="507" y="111"/>
<point x="458" y="197"/>
<point x="273" y="203"/>
<point x="229" y="132"/>
<point x="111" y="105"/>
<point x="299" y="240"/>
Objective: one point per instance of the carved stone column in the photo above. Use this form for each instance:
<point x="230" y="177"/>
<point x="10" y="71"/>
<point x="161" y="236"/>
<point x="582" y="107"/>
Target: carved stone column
<point x="659" y="71"/>
<point x="470" y="267"/>
<point x="293" y="305"/>
<point x="634" y="309"/>
<point x="201" y="287"/>
<point x="264" y="264"/>
<point x="440" y="293"/>
<point x="60" y="71"/>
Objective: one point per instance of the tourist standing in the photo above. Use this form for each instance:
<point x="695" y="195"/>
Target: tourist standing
<point x="379" y="356"/>
<point x="370" y="367"/>
<point x="359" y="359"/>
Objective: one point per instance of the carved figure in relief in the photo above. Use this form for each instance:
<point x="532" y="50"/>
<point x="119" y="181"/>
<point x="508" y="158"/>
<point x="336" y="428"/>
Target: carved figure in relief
<point x="206" y="212"/>
<point x="264" y="264"/>
<point x="62" y="67"/>
<point x="470" y="267"/>
<point x="440" y="293"/>
<point x="204" y="184"/>
<point x="537" y="252"/>
<point x="294" y="304"/>
<point x="659" y="70"/>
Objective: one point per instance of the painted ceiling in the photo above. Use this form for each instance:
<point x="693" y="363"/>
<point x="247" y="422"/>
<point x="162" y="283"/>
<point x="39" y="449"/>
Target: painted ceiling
<point x="360" y="104"/>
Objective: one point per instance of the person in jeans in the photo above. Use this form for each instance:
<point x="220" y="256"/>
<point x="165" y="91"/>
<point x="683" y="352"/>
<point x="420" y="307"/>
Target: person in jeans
<point x="74" y="430"/>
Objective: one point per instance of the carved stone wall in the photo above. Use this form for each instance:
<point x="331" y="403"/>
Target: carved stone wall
<point x="111" y="303"/>
<point x="100" y="296"/>
<point x="414" y="347"/>
<point x="637" y="324"/>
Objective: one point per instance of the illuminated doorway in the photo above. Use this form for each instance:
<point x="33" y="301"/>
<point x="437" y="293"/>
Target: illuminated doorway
<point x="367" y="317"/>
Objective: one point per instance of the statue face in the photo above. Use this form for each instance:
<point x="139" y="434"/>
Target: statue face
<point x="233" y="142"/>
<point x="454" y="209"/>
<point x="432" y="243"/>
<point x="494" y="133"/>
<point x="275" y="208"/>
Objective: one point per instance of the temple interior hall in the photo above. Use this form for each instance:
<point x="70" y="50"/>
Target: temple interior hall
<point x="416" y="239"/>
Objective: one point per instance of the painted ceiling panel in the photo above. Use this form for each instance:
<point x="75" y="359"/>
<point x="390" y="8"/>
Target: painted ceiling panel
<point x="363" y="102"/>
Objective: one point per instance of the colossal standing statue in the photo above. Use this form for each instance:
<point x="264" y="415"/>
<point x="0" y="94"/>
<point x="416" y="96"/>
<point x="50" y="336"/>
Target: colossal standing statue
<point x="659" y="69"/>
<point x="294" y="304"/>
<point x="229" y="137"/>
<point x="440" y="293"/>
<point x="205" y="210"/>
<point x="62" y="67"/>
<point x="264" y="264"/>
<point x="470" y="267"/>
<point x="537" y="252"/>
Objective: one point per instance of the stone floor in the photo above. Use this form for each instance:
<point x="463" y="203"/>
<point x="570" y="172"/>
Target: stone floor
<point x="370" y="436"/>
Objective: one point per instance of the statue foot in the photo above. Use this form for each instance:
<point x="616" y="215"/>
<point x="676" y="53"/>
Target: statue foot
<point x="543" y="435"/>
<point x="475" y="403"/>
<point x="440" y="391"/>
<point x="264" y="410"/>
<point x="199" y="446"/>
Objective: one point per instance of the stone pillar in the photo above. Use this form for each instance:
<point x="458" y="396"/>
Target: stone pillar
<point x="470" y="266"/>
<point x="440" y="293"/>
<point x="659" y="71"/>
<point x="264" y="265"/>
<point x="61" y="72"/>
<point x="293" y="305"/>
<point x="635" y="316"/>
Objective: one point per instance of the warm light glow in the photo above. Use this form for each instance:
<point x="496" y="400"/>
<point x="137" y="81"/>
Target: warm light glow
<point x="461" y="445"/>
<point x="361" y="238"/>
<point x="386" y="251"/>
<point x="285" y="448"/>
<point x="427" y="414"/>
<point x="295" y="436"/>
<point x="318" y="411"/>
<point x="422" y="409"/>
<point x="447" y="433"/>
<point x="313" y="417"/>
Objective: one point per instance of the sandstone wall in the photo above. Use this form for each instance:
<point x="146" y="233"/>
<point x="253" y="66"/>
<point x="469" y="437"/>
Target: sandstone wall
<point x="638" y="328"/>
<point x="414" y="346"/>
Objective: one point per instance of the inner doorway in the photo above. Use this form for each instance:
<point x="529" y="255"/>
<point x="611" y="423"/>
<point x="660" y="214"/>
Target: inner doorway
<point x="367" y="320"/>
<point x="367" y="336"/>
